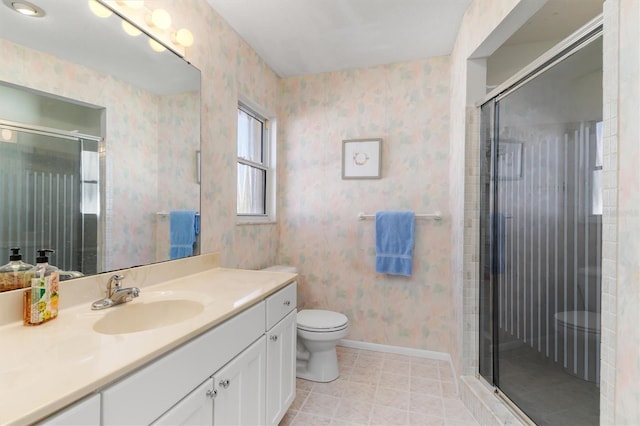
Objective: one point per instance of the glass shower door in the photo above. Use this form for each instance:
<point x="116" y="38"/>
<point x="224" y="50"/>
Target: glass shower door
<point x="541" y="251"/>
<point x="49" y="187"/>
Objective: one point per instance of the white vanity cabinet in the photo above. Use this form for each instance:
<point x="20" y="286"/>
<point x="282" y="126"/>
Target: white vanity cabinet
<point x="257" y="386"/>
<point x="281" y="353"/>
<point x="85" y="412"/>
<point x="281" y="368"/>
<point x="241" y="372"/>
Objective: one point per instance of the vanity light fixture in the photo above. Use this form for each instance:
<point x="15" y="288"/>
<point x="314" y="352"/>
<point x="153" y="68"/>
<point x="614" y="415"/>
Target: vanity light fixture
<point x="25" y="8"/>
<point x="156" y="46"/>
<point x="130" y="29"/>
<point x="99" y="9"/>
<point x="183" y="37"/>
<point x="159" y="18"/>
<point x="7" y="135"/>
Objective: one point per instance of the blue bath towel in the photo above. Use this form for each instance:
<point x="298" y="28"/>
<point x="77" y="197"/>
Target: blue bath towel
<point x="184" y="227"/>
<point x="498" y="237"/>
<point x="394" y="242"/>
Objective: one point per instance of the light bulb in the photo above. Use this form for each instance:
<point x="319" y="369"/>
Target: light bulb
<point x="130" y="29"/>
<point x="156" y="46"/>
<point x="182" y="37"/>
<point x="6" y="135"/>
<point x="159" y="18"/>
<point x="99" y="9"/>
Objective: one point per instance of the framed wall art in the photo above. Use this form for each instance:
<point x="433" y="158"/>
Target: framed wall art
<point x="361" y="158"/>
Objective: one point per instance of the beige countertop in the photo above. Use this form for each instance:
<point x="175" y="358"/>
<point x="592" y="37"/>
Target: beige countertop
<point x="47" y="367"/>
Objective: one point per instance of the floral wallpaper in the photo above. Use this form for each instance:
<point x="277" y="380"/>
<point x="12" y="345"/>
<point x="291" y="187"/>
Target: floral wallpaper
<point x="405" y="104"/>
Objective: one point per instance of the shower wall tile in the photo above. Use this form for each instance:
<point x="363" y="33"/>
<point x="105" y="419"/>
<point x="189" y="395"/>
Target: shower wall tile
<point x="625" y="125"/>
<point x="608" y="332"/>
<point x="477" y="24"/>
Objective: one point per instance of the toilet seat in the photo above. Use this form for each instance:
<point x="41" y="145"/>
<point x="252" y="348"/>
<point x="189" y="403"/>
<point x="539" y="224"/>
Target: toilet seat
<point x="321" y="321"/>
<point x="582" y="321"/>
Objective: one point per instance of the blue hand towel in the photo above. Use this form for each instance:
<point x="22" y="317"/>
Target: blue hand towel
<point x="500" y="223"/>
<point x="184" y="226"/>
<point x="394" y="242"/>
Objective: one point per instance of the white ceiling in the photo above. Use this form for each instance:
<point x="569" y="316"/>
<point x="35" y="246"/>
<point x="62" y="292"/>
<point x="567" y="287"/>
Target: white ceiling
<point x="297" y="37"/>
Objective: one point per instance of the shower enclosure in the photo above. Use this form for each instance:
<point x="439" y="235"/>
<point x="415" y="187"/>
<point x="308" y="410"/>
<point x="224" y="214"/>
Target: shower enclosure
<point x="541" y="236"/>
<point x="50" y="187"/>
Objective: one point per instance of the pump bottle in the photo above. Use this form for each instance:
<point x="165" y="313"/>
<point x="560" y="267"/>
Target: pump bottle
<point x="14" y="274"/>
<point x="41" y="300"/>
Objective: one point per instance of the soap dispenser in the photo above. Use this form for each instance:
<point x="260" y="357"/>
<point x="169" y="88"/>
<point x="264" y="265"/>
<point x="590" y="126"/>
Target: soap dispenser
<point x="41" y="300"/>
<point x="14" y="275"/>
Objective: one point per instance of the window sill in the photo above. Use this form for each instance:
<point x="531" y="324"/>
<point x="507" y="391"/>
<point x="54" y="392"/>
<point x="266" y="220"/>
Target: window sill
<point x="255" y="221"/>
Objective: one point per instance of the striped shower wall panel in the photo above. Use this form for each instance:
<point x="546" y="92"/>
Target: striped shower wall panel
<point x="41" y="210"/>
<point x="549" y="244"/>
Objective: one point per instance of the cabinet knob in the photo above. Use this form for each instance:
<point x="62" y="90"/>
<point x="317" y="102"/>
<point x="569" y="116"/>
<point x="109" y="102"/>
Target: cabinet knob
<point x="212" y="393"/>
<point x="224" y="383"/>
<point x="287" y="303"/>
<point x="274" y="337"/>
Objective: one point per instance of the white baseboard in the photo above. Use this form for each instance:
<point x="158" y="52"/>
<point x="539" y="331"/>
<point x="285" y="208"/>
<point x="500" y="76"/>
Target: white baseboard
<point x="400" y="350"/>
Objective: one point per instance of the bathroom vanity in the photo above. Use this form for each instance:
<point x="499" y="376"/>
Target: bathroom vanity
<point x="224" y="355"/>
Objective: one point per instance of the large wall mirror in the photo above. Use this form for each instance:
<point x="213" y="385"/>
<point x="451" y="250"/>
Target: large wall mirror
<point x="99" y="140"/>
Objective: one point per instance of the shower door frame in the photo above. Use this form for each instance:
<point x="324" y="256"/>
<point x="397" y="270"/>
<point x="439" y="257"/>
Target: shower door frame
<point x="572" y="44"/>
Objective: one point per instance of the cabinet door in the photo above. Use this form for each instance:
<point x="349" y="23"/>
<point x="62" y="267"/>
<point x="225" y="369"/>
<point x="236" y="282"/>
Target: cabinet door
<point x="240" y="387"/>
<point x="195" y="409"/>
<point x="281" y="368"/>
<point x="85" y="412"/>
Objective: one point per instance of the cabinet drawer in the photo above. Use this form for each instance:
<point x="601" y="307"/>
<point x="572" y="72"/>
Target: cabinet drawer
<point x="280" y="304"/>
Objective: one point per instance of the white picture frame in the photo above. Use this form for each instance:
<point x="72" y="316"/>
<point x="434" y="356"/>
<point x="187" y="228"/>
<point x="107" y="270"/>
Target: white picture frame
<point x="361" y="158"/>
<point x="509" y="160"/>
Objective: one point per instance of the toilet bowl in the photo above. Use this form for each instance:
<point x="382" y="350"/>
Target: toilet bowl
<point x="579" y="332"/>
<point x="318" y="332"/>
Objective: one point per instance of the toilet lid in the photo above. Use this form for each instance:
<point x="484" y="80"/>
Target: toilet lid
<point x="320" y="320"/>
<point x="579" y="320"/>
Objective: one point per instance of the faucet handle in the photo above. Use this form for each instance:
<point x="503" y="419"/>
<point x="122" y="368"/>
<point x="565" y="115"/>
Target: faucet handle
<point x="114" y="283"/>
<point x="117" y="278"/>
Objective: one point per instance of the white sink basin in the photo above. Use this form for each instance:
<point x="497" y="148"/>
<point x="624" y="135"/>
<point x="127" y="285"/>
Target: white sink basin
<point x="133" y="317"/>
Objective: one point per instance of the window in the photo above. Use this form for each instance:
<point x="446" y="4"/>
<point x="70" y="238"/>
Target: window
<point x="596" y="174"/>
<point x="254" y="166"/>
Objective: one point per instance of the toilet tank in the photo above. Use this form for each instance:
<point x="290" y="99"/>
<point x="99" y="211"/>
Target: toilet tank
<point x="282" y="268"/>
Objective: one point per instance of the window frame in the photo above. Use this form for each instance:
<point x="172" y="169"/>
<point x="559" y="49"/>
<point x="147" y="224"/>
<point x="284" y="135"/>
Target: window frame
<point x="268" y="163"/>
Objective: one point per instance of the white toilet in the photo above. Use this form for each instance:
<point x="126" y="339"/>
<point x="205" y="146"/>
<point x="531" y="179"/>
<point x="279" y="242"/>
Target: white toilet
<point x="579" y="331"/>
<point x="319" y="332"/>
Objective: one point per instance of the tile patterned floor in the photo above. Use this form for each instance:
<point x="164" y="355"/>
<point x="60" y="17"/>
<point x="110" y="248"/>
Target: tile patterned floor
<point x="376" y="388"/>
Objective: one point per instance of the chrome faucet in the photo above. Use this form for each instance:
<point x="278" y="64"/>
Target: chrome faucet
<point x="116" y="294"/>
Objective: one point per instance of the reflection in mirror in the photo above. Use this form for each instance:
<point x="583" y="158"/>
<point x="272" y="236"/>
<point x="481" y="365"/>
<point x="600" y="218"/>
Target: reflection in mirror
<point x="98" y="140"/>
